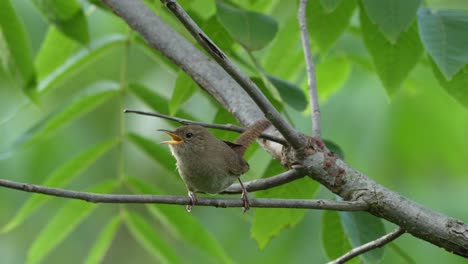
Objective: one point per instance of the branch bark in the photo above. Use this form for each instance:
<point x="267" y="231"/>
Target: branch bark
<point x="184" y="200"/>
<point x="310" y="66"/>
<point x="379" y="242"/>
<point x="448" y="233"/>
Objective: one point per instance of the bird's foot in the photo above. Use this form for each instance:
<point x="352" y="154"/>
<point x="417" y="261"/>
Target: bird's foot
<point x="246" y="201"/>
<point x="245" y="197"/>
<point x="193" y="201"/>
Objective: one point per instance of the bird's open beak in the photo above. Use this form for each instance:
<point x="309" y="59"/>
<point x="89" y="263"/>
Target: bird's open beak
<point x="175" y="139"/>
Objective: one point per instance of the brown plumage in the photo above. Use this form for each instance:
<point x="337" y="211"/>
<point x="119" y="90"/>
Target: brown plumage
<point x="207" y="164"/>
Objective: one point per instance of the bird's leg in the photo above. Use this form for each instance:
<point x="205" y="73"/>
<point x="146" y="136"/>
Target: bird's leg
<point x="245" y="198"/>
<point x="193" y="201"/>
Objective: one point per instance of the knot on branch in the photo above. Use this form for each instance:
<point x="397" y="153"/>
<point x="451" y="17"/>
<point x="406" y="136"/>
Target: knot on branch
<point x="291" y="157"/>
<point x="458" y="228"/>
<point x="321" y="164"/>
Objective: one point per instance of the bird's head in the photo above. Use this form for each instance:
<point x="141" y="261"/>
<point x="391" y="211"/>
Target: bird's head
<point x="188" y="139"/>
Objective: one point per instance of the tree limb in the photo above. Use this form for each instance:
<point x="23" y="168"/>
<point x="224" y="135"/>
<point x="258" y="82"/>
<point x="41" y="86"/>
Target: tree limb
<point x="311" y="80"/>
<point x="379" y="242"/>
<point x="448" y="233"/>
<point x="184" y="200"/>
<point x="248" y="85"/>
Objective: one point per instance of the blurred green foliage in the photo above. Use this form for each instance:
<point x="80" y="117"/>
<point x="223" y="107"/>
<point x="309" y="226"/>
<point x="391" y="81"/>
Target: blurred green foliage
<point x="393" y="95"/>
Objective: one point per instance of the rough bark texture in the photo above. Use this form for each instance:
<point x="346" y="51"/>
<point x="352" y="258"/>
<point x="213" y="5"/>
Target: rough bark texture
<point x="333" y="173"/>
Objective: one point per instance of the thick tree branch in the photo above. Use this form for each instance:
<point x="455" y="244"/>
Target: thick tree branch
<point x="336" y="175"/>
<point x="379" y="242"/>
<point x="244" y="81"/>
<point x="184" y="200"/>
<point x="311" y="80"/>
<point x="228" y="127"/>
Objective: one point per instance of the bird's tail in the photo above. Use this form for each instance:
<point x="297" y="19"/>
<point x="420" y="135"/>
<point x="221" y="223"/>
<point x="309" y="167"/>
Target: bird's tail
<point x="250" y="134"/>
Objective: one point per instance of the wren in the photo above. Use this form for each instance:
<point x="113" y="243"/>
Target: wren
<point x="207" y="164"/>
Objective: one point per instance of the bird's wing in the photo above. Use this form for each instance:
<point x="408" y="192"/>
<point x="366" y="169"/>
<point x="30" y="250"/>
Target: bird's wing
<point x="238" y="164"/>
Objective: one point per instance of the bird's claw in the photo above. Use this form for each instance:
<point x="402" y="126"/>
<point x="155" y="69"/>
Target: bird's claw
<point x="245" y="199"/>
<point x="193" y="201"/>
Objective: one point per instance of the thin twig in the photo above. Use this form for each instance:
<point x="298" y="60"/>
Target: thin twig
<point x="267" y="183"/>
<point x="288" y="132"/>
<point x="183" y="200"/>
<point x="311" y="80"/>
<point x="379" y="242"/>
<point x="227" y="127"/>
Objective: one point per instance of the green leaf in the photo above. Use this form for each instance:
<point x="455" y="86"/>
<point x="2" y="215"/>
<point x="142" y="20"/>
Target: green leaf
<point x="80" y="105"/>
<point x="217" y="33"/>
<point x="59" y="178"/>
<point x="393" y="61"/>
<point x="182" y="226"/>
<point x="326" y="27"/>
<point x="392" y="17"/>
<point x="151" y="240"/>
<point x="290" y="93"/>
<point x="68" y="16"/>
<point x="184" y="88"/>
<point x="402" y="253"/>
<point x="103" y="242"/>
<point x="15" y="51"/>
<point x="80" y="58"/>
<point x="332" y="73"/>
<point x="330" y="5"/>
<point x="268" y="223"/>
<point x="362" y="228"/>
<point x="334" y="239"/>
<point x="288" y="40"/>
<point x="262" y="86"/>
<point x="159" y="153"/>
<point x="55" y="50"/>
<point x="444" y="35"/>
<point x="157" y="102"/>
<point x="335" y="148"/>
<point x="251" y="29"/>
<point x="457" y="87"/>
<point x="63" y="223"/>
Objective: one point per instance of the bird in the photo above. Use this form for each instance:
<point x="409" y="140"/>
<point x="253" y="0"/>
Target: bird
<point x="207" y="164"/>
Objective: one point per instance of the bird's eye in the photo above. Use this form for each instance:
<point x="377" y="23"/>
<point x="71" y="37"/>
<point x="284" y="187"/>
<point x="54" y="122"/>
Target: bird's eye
<point x="189" y="135"/>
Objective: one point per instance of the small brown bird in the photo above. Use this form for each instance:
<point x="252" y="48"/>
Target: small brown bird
<point x="207" y="164"/>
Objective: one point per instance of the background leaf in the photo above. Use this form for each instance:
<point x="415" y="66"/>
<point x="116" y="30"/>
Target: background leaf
<point x="326" y="27"/>
<point x="145" y="234"/>
<point x="183" y="226"/>
<point x="362" y="228"/>
<point x="103" y="242"/>
<point x="157" y="152"/>
<point x="457" y="87"/>
<point x="15" y="51"/>
<point x="59" y="178"/>
<point x="334" y="239"/>
<point x="330" y="5"/>
<point x="268" y="223"/>
<point x="68" y="16"/>
<point x="392" y="16"/>
<point x="393" y="61"/>
<point x="54" y="51"/>
<point x="332" y="73"/>
<point x="290" y="93"/>
<point x="444" y="36"/>
<point x="81" y="104"/>
<point x="251" y="29"/>
<point x="184" y="88"/>
<point x="63" y="223"/>
<point x="78" y="59"/>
